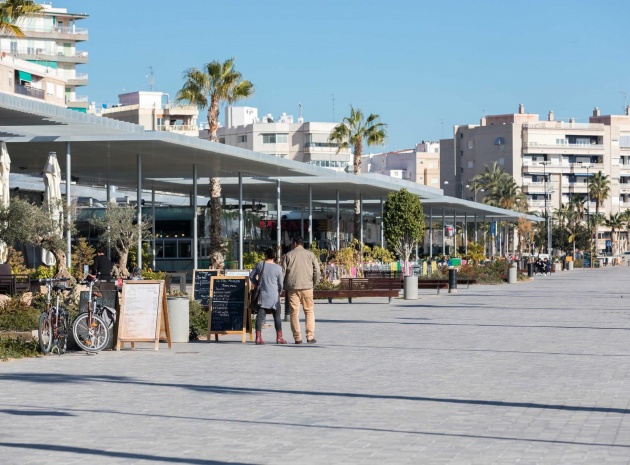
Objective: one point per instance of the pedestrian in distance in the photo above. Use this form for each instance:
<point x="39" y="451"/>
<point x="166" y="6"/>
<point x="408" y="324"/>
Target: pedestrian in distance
<point x="268" y="276"/>
<point x="301" y="274"/>
<point x="102" y="267"/>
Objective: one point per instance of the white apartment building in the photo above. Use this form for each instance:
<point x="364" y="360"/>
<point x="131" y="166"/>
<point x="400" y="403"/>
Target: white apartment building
<point x="301" y="141"/>
<point x="155" y="112"/>
<point x="31" y="81"/>
<point x="550" y="159"/>
<point x="421" y="165"/>
<point x="50" y="40"/>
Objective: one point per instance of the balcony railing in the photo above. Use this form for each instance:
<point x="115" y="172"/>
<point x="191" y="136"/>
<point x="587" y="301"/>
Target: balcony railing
<point x="563" y="125"/>
<point x="563" y="146"/>
<point x="29" y="91"/>
<point x="58" y="30"/>
<point x="177" y="128"/>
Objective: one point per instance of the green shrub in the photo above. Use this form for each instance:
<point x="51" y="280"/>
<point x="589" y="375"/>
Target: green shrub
<point x="17" y="348"/>
<point x="325" y="285"/>
<point x="15" y="315"/>
<point x="198" y="320"/>
<point x="43" y="272"/>
<point x="251" y="259"/>
<point x="489" y="273"/>
<point x="154" y="275"/>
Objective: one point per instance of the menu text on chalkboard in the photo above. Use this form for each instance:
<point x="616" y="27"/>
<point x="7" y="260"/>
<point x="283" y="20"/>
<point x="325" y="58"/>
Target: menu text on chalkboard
<point x="228" y="309"/>
<point x="201" y="285"/>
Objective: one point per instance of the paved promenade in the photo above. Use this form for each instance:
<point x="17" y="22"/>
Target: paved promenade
<point x="531" y="373"/>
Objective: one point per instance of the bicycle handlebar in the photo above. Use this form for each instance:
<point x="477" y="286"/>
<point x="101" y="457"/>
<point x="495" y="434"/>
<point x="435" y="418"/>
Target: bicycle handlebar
<point x="52" y="280"/>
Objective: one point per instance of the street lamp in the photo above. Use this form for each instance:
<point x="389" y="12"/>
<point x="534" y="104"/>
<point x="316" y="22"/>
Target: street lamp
<point x="588" y="214"/>
<point x="462" y="185"/>
<point x="544" y="164"/>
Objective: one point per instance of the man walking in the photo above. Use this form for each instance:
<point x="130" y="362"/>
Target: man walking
<point x="301" y="273"/>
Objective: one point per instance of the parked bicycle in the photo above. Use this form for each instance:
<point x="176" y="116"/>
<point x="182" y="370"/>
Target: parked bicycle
<point x="91" y="329"/>
<point x="54" y="325"/>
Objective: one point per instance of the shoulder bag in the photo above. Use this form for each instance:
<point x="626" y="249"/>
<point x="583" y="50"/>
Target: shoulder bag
<point x="255" y="298"/>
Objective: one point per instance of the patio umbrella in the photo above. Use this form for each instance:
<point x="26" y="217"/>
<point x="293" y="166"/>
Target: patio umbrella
<point x="52" y="195"/>
<point x="5" y="169"/>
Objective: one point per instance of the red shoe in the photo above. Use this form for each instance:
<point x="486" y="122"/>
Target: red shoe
<point x="259" y="340"/>
<point x="279" y="339"/>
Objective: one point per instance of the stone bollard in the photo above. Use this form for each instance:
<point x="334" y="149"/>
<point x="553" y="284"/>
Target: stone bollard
<point x="570" y="266"/>
<point x="530" y="270"/>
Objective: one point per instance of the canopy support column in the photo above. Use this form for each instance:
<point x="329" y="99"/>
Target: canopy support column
<point x="310" y="215"/>
<point x="68" y="205"/>
<point x="338" y="220"/>
<point x="430" y="233"/>
<point x="195" y="243"/>
<point x="443" y="233"/>
<point x="466" y="233"/>
<point x="153" y="226"/>
<point x="240" y="221"/>
<point x="382" y="224"/>
<point x="278" y="228"/>
<point x="361" y="220"/>
<point x="139" y="202"/>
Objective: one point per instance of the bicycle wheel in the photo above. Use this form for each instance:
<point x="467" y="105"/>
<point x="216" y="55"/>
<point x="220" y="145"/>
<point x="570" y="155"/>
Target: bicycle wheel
<point x="44" y="332"/>
<point x="91" y="338"/>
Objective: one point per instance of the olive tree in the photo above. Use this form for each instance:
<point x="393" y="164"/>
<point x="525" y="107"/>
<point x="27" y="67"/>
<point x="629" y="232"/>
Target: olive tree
<point x="43" y="226"/>
<point x="403" y="223"/>
<point x="119" y="227"/>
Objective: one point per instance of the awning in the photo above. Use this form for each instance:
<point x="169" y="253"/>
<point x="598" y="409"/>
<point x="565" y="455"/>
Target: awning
<point x="24" y="76"/>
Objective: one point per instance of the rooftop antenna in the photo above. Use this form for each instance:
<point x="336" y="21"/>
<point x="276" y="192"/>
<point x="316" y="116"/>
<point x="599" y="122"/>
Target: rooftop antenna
<point x="333" y="102"/>
<point x="150" y="76"/>
<point x="300" y="105"/>
<point x="625" y="100"/>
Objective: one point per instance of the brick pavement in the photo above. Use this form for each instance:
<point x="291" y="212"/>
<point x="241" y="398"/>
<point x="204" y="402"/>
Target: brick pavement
<point x="531" y="373"/>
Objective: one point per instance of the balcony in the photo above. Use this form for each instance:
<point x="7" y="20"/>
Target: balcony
<point x="592" y="168"/>
<point x="575" y="188"/>
<point x="179" y="129"/>
<point x="29" y="91"/>
<point x="536" y="167"/>
<point x="536" y="203"/>
<point x="624" y="187"/>
<point x="533" y="187"/>
<point x="578" y="149"/>
<point x="68" y="33"/>
<point x="77" y="80"/>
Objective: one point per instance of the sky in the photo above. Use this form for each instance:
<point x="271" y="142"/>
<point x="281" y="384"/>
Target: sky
<point x="422" y="66"/>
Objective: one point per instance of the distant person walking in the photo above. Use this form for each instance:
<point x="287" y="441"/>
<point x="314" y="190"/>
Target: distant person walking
<point x="301" y="274"/>
<point x="102" y="267"/>
<point x="268" y="276"/>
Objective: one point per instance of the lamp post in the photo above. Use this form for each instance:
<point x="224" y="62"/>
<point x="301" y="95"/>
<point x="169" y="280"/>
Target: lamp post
<point x="588" y="214"/>
<point x="544" y="164"/>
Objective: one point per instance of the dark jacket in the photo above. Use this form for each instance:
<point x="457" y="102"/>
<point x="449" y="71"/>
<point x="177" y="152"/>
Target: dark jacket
<point x="102" y="267"/>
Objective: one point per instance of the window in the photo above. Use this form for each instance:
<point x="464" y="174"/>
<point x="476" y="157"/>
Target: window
<point x="275" y="138"/>
<point x="10" y="78"/>
<point x="50" y="88"/>
<point x="501" y="161"/>
<point x="461" y="153"/>
<point x="461" y="170"/>
<point x="470" y="164"/>
<point x="59" y="91"/>
<point x="242" y="138"/>
<point x="471" y="144"/>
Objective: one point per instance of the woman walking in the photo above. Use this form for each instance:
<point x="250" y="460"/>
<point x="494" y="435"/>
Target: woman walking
<point x="268" y="276"/>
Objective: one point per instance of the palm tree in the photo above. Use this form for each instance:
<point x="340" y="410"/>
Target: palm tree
<point x="615" y="222"/>
<point x="216" y="84"/>
<point x="350" y="134"/>
<point x="11" y="11"/>
<point x="599" y="190"/>
<point x="489" y="179"/>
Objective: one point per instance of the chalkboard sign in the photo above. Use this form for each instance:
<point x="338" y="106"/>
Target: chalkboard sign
<point x="228" y="309"/>
<point x="143" y="313"/>
<point x="201" y="285"/>
<point x="107" y="299"/>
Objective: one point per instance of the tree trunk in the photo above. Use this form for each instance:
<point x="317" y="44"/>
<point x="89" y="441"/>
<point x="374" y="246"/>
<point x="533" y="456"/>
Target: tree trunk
<point x="216" y="244"/>
<point x="60" y="258"/>
<point x="357" y="220"/>
<point x="213" y="119"/>
<point x="123" y="272"/>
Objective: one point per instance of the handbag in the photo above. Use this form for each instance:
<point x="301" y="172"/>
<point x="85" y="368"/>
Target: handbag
<point x="255" y="298"/>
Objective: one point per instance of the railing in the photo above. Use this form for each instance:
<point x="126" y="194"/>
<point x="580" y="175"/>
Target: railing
<point x="532" y="183"/>
<point x="177" y="128"/>
<point x="29" y="91"/>
<point x="175" y="106"/>
<point x="536" y="203"/>
<point x="59" y="30"/>
<point x="561" y="146"/>
<point x="562" y="125"/>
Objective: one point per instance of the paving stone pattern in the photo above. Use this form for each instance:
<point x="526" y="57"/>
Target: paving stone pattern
<point x="531" y="373"/>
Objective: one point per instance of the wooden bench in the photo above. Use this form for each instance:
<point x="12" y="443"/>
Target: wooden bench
<point x="368" y="287"/>
<point x="331" y="294"/>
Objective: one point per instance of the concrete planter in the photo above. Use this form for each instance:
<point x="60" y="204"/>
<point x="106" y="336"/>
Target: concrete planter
<point x="179" y="318"/>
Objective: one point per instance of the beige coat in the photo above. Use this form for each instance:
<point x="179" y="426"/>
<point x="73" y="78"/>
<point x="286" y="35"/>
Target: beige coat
<point x="301" y="269"/>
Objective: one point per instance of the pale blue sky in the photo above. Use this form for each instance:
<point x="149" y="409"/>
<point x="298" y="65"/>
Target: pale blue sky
<point x="423" y="66"/>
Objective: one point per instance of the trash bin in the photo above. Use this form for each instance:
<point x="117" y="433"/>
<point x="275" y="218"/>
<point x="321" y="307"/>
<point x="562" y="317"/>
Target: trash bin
<point x="179" y="318"/>
<point x="411" y="287"/>
<point x="570" y="266"/>
<point x="452" y="280"/>
<point x="530" y="270"/>
<point x="512" y="271"/>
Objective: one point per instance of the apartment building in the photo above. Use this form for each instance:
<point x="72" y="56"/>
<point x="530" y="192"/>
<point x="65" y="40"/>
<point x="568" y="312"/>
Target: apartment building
<point x="301" y="141"/>
<point x="155" y="112"/>
<point x="551" y="160"/>
<point x="421" y="165"/>
<point x="50" y="40"/>
<point x="31" y="81"/>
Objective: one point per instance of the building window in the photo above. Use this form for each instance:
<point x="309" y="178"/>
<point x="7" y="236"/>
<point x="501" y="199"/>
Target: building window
<point x="470" y="144"/>
<point x="461" y="153"/>
<point x="275" y="138"/>
<point x="242" y="138"/>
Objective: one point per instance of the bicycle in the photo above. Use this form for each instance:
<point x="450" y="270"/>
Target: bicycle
<point x="90" y="330"/>
<point x="54" y="325"/>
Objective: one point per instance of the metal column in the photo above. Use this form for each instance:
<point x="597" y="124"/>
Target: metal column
<point x="476" y="227"/>
<point x="278" y="229"/>
<point x="109" y="240"/>
<point x="443" y="234"/>
<point x="382" y="225"/>
<point x="240" y="221"/>
<point x="139" y="202"/>
<point x="338" y="221"/>
<point x="454" y="254"/>
<point x="361" y="220"/>
<point x="310" y="215"/>
<point x="68" y="209"/>
<point x="431" y="232"/>
<point x="195" y="244"/>
<point x="153" y="226"/>
<point x="466" y="233"/>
